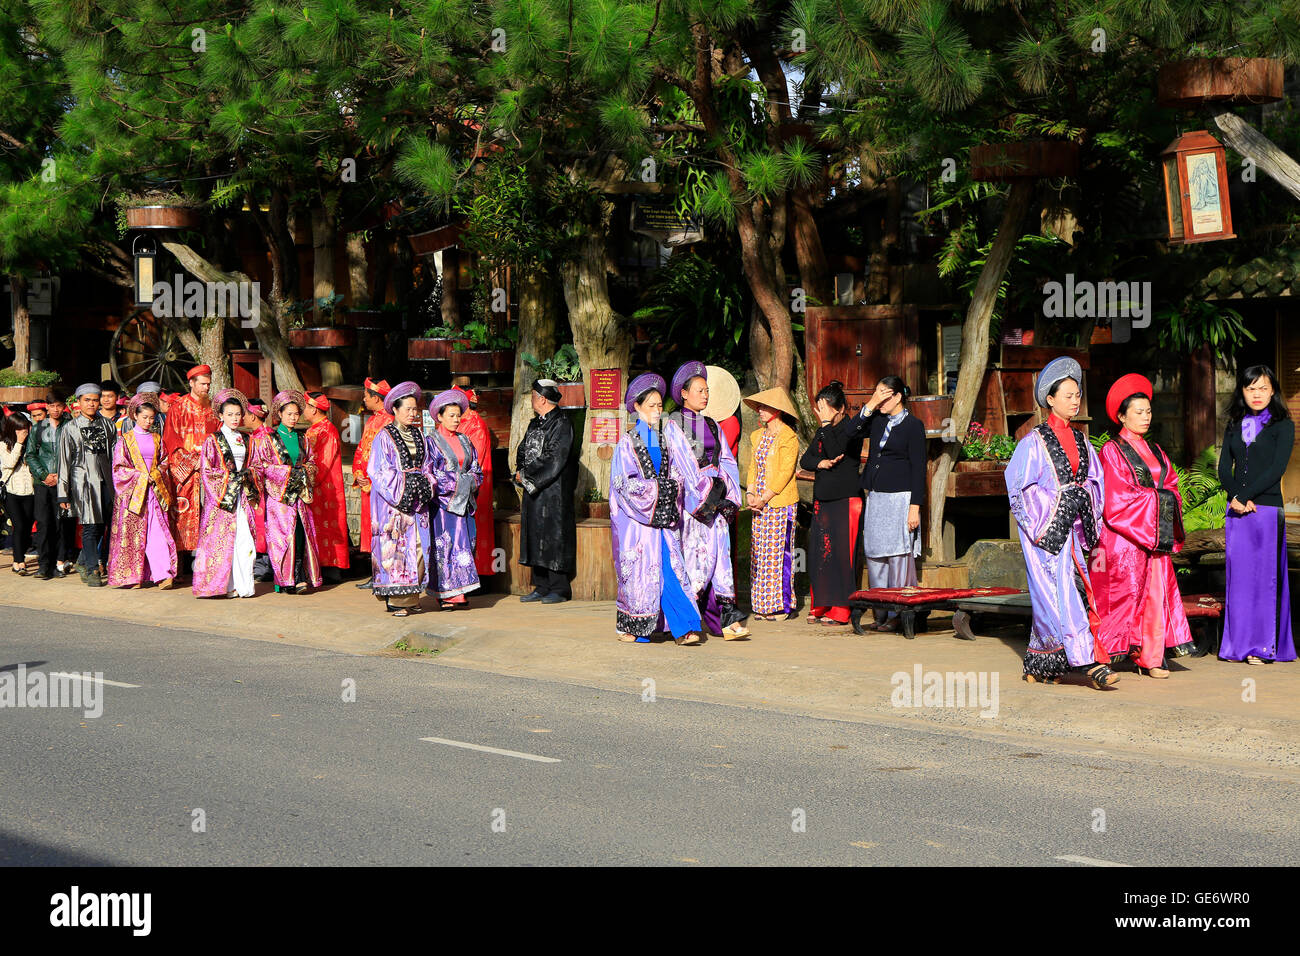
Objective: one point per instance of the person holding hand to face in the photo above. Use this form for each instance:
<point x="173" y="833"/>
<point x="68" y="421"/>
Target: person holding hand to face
<point x="834" y="456"/>
<point x="894" y="479"/>
<point x="1256" y="450"/>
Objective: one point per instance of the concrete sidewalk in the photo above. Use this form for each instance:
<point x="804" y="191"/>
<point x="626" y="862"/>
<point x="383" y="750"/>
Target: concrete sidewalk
<point x="1199" y="714"/>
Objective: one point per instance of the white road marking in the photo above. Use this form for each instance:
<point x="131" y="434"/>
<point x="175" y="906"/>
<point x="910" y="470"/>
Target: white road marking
<point x="490" y="750"/>
<point x="92" y="680"/>
<point x="1089" y="861"/>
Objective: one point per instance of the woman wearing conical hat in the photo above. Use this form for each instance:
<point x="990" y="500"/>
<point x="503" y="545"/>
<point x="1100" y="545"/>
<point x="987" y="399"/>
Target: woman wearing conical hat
<point x="1054" y="481"/>
<point x="773" y="499"/>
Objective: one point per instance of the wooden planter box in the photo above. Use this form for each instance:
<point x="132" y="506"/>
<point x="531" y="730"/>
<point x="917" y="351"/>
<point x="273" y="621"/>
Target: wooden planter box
<point x="1227" y="80"/>
<point x="573" y="395"/>
<point x="435" y="240"/>
<point x="322" y="338"/>
<point x="482" y="361"/>
<point x="981" y="465"/>
<point x="975" y="484"/>
<point x="932" y="410"/>
<point x="24" y="394"/>
<point x="162" y="217"/>
<point x="1033" y="159"/>
<point x="429" y="350"/>
<point x="597" y="509"/>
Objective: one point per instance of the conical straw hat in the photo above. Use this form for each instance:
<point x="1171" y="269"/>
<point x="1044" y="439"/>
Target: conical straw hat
<point x="777" y="398"/>
<point x="724" y="393"/>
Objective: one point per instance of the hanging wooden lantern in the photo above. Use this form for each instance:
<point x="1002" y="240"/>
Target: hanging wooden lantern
<point x="1195" y="178"/>
<point x="144" y="252"/>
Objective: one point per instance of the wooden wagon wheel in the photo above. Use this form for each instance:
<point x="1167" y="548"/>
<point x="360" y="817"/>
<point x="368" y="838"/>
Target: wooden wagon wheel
<point x="145" y="349"/>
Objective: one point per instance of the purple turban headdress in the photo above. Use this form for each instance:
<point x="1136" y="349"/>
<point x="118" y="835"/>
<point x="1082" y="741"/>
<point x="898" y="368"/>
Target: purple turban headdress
<point x="453" y="396"/>
<point x="290" y="396"/>
<point x="225" y="395"/>
<point x="642" y="384"/>
<point x="683" y="375"/>
<point x="398" y="392"/>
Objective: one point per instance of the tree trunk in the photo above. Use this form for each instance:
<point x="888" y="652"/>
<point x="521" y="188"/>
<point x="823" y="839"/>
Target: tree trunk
<point x="767" y="283"/>
<point x="599" y="335"/>
<point x="22" y="325"/>
<point x="975" y="346"/>
<point x="450" y="285"/>
<point x="538" y="321"/>
<point x="269" y="339"/>
<point x="358" y="269"/>
<point x="1199" y="426"/>
<point x="322" y="259"/>
<point x="1253" y="144"/>
<point x="212" y="351"/>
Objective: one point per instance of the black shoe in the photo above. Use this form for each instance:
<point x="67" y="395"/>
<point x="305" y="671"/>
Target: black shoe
<point x="44" y="575"/>
<point x="554" y="598"/>
<point x="367" y="585"/>
<point x="534" y="596"/>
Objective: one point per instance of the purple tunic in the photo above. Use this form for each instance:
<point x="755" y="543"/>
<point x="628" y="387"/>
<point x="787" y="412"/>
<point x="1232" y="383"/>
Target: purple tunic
<point x="1055" y="544"/>
<point x="706" y="545"/>
<point x="140" y="541"/>
<point x="642" y="521"/>
<point x="284" y="507"/>
<point x="456" y="486"/>
<point x="401" y="490"/>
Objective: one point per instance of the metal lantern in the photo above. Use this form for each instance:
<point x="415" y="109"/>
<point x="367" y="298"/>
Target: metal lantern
<point x="1195" y="177"/>
<point x="144" y="250"/>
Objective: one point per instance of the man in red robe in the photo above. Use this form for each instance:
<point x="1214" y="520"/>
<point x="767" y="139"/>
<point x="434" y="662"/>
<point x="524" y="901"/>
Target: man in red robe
<point x="329" y="509"/>
<point x="475" y="429"/>
<point x="379" y="419"/>
<point x="189" y="422"/>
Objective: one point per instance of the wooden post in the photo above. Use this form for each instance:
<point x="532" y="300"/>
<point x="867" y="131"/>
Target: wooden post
<point x="22" y="325"/>
<point x="975" y="343"/>
<point x="1199" y="425"/>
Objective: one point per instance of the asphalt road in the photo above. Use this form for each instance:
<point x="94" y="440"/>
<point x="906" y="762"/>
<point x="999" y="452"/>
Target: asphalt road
<point x="287" y="772"/>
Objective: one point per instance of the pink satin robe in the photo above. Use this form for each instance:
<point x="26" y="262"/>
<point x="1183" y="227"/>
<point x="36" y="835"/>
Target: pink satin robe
<point x="1137" y="591"/>
<point x="274" y="471"/>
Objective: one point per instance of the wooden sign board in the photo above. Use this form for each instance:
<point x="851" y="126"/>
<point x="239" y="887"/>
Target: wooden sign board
<point x="606" y="389"/>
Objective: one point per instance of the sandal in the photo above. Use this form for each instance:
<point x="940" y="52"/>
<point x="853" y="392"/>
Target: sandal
<point x="627" y="638"/>
<point x="814" y="619"/>
<point x="735" y="632"/>
<point x="1159" y="673"/>
<point x="1101" y="676"/>
<point x="1032" y="679"/>
<point x="831" y="622"/>
<point x="1252" y="659"/>
<point x="691" y="638"/>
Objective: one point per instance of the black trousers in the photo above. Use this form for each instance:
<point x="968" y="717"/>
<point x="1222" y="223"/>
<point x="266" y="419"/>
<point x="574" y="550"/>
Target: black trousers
<point x="20" y="509"/>
<point x="546" y="581"/>
<point x="54" y="533"/>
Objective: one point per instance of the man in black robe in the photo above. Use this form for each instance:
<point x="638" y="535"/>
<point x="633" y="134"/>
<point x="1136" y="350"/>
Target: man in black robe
<point x="547" y="471"/>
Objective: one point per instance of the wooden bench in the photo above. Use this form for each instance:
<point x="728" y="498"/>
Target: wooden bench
<point x="1205" y="618"/>
<point x="913" y="605"/>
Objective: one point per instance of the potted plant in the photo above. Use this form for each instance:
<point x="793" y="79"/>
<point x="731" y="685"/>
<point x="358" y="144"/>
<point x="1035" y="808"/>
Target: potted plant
<point x="157" y="209"/>
<point x="564" y="369"/>
<point x="484" y="350"/>
<point x="434" y="345"/>
<point x="983" y="451"/>
<point x="327" y="336"/>
<point x="21" y="388"/>
<point x="597" y="504"/>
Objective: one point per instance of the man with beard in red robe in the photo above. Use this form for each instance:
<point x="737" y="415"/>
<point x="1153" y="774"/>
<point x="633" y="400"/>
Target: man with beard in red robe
<point x="190" y="421"/>
<point x="329" y="509"/>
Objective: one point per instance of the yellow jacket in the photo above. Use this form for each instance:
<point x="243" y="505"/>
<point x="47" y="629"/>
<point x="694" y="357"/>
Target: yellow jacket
<point x="782" y="461"/>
